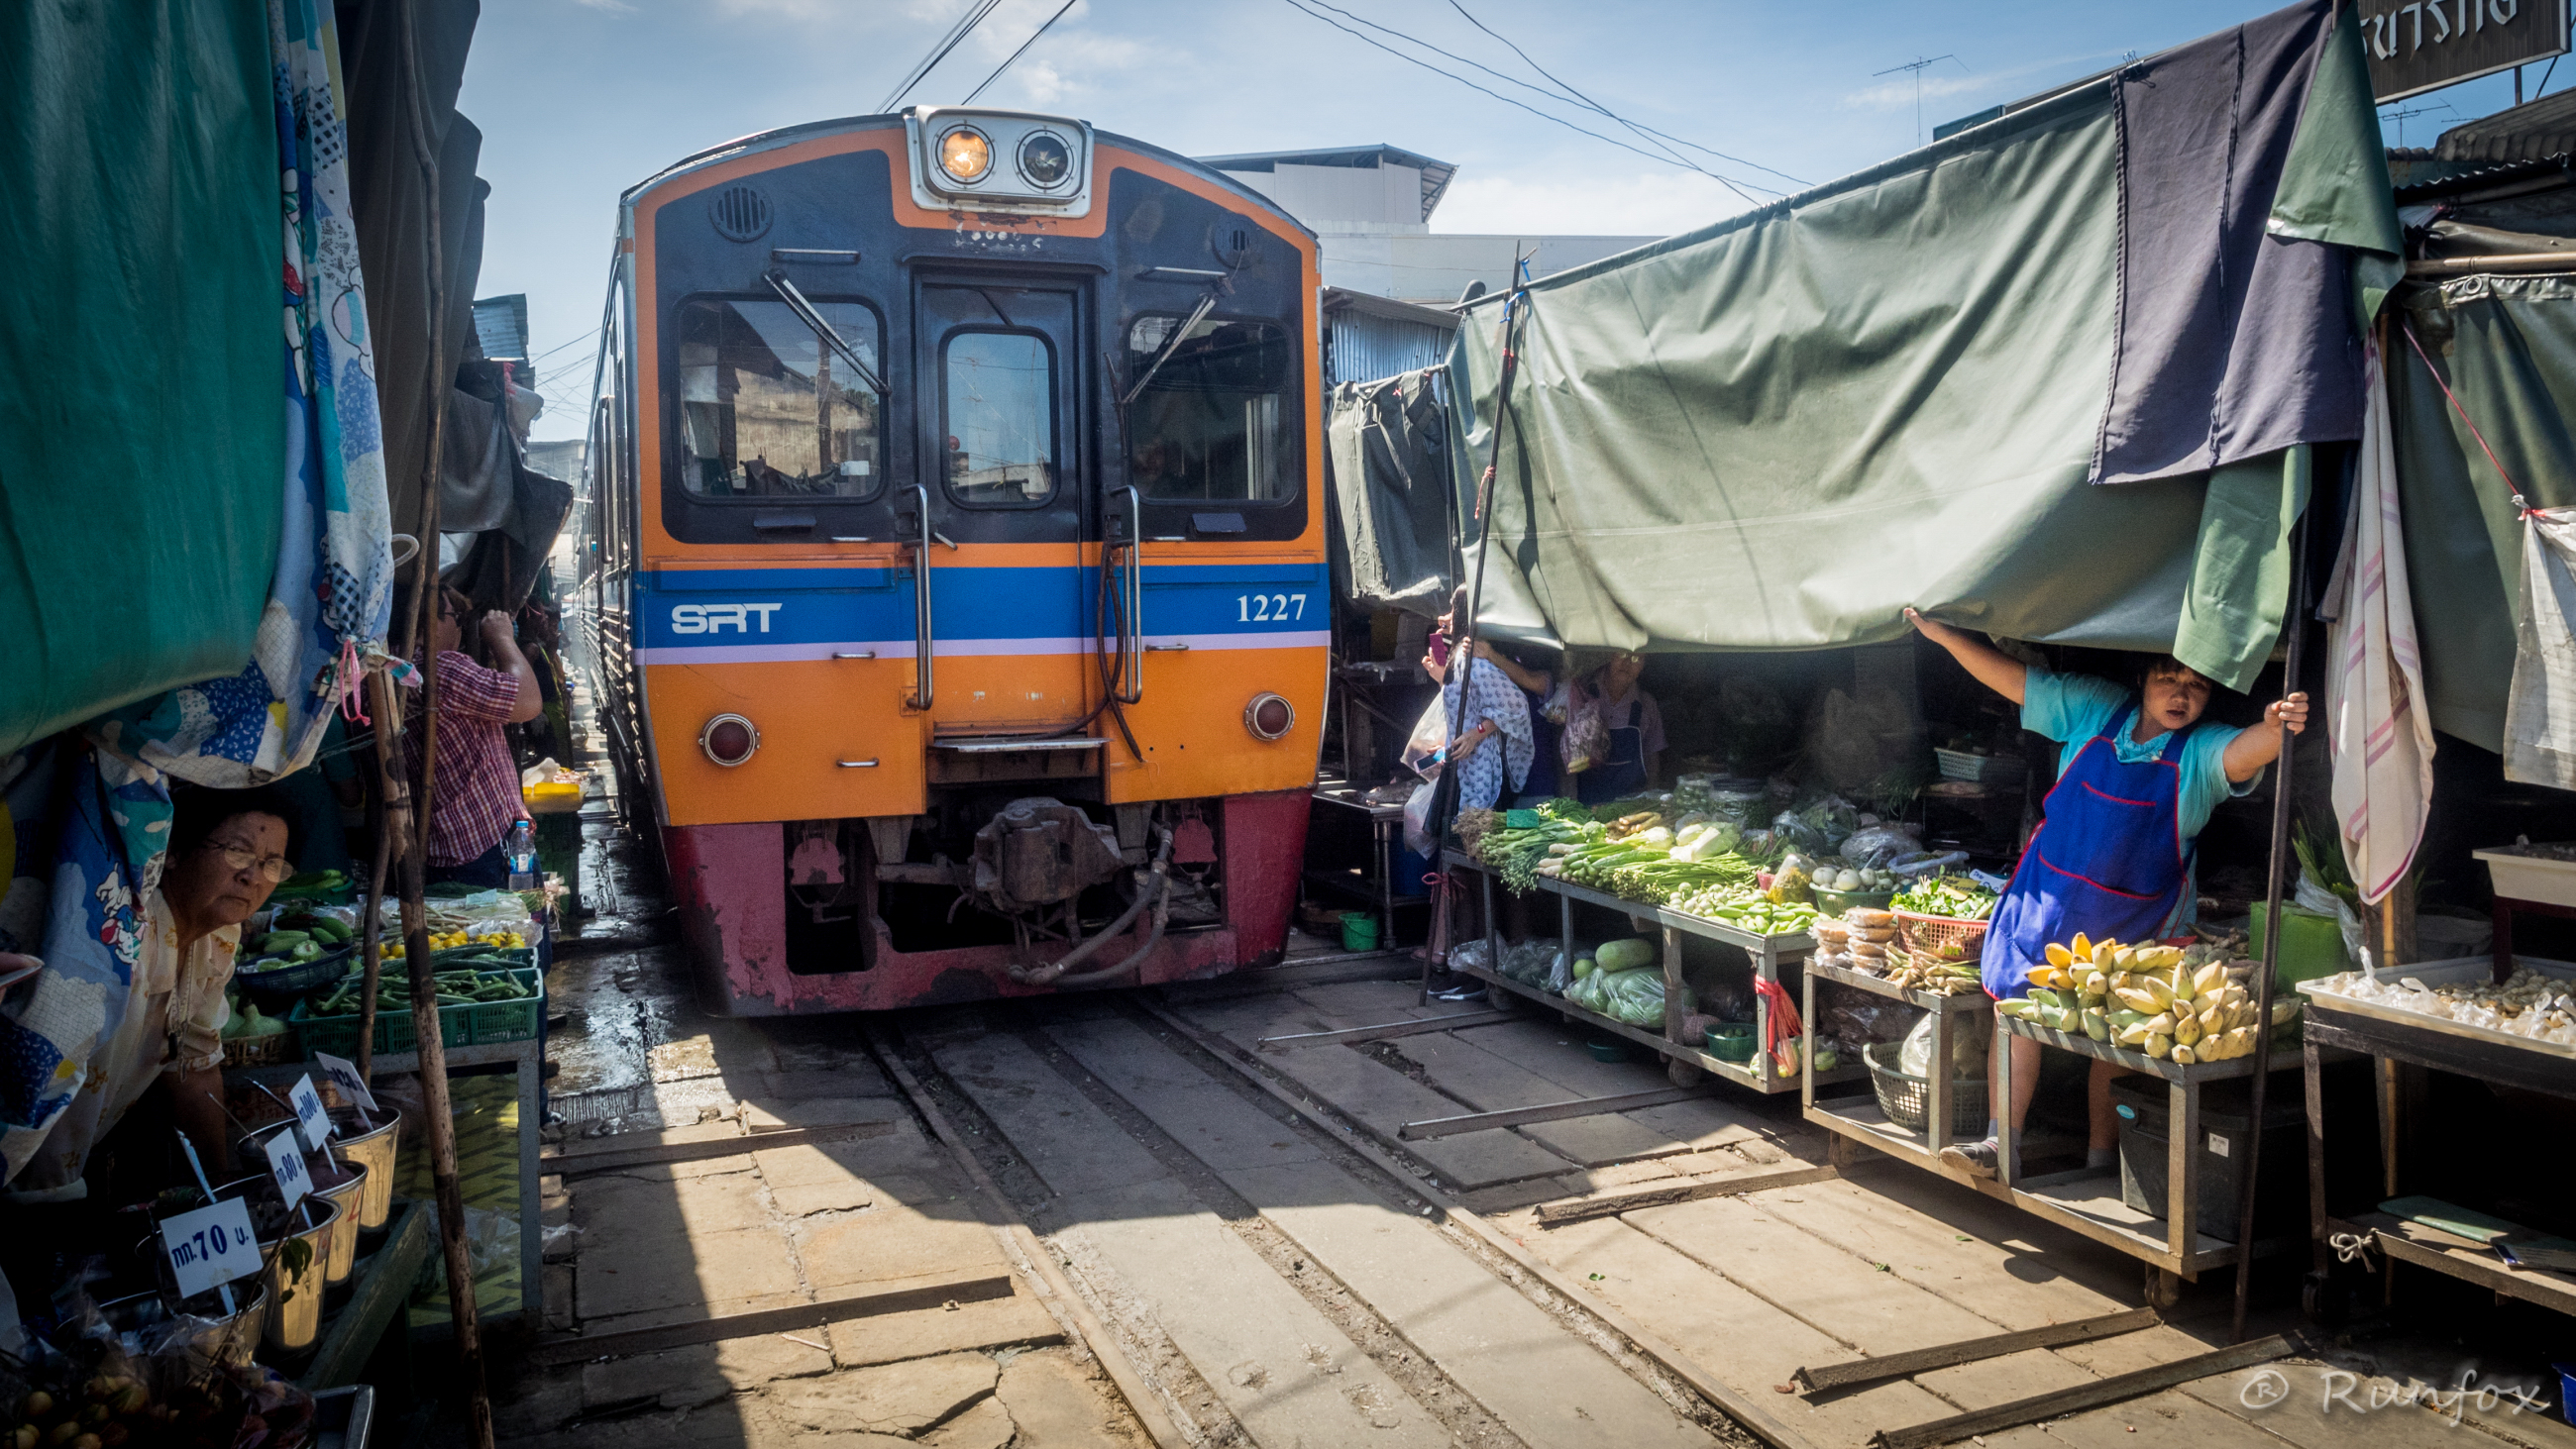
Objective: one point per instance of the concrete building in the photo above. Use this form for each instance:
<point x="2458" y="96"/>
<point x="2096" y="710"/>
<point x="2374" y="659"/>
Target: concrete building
<point x="1389" y="280"/>
<point x="1372" y="207"/>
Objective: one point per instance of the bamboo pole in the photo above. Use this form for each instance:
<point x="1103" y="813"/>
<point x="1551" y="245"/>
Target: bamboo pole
<point x="2283" y="803"/>
<point x="432" y="1048"/>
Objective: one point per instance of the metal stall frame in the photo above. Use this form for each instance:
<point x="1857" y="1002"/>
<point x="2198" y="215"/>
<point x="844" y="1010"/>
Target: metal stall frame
<point x="1767" y="953"/>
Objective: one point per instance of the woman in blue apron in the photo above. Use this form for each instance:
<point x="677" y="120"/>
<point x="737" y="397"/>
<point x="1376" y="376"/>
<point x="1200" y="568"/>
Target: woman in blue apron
<point x="1636" y="726"/>
<point x="2139" y="774"/>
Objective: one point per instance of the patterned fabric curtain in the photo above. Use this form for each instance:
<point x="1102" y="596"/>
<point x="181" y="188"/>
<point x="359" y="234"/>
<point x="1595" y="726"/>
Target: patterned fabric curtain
<point x="116" y="831"/>
<point x="331" y="589"/>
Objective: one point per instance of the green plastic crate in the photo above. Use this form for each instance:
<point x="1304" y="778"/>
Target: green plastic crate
<point x="481" y="1023"/>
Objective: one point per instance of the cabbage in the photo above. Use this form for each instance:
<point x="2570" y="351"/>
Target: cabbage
<point x="1635" y="997"/>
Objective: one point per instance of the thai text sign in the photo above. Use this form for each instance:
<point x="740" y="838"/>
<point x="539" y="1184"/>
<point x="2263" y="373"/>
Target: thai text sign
<point x="2421" y="45"/>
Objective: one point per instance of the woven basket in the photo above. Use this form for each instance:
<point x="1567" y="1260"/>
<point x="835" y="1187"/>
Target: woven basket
<point x="1919" y="932"/>
<point x="1907" y="1099"/>
<point x="272" y="1050"/>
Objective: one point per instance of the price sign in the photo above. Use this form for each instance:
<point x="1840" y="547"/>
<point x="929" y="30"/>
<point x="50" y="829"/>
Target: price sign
<point x="352" y="1086"/>
<point x="310" y="1117"/>
<point x="286" y="1164"/>
<point x="210" y="1246"/>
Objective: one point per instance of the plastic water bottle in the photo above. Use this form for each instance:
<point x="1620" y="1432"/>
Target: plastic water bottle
<point x="523" y="857"/>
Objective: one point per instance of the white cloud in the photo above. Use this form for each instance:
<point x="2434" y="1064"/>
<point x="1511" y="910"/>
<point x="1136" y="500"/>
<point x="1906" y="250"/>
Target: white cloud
<point x="1550" y="202"/>
<point x="612" y="7"/>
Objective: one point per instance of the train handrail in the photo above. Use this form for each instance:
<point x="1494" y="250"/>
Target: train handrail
<point x="1131" y="628"/>
<point x="923" y="685"/>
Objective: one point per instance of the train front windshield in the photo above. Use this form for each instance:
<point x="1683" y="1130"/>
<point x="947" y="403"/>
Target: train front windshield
<point x="1207" y="425"/>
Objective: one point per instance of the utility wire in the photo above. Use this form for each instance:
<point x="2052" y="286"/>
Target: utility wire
<point x="976" y="10"/>
<point x="1015" y="55"/>
<point x="1638" y="127"/>
<point x="1300" y="7"/>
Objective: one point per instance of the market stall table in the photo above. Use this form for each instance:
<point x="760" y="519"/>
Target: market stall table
<point x="1862" y="1119"/>
<point x="1768" y="953"/>
<point x="2390" y="1035"/>
<point x="1385" y="823"/>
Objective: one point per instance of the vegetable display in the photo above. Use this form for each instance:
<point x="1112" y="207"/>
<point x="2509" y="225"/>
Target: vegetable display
<point x="442" y="942"/>
<point x="1953" y="896"/>
<point x="298" y="937"/>
<point x="2166" y="1002"/>
<point x="457" y="986"/>
<point x="1690" y="864"/>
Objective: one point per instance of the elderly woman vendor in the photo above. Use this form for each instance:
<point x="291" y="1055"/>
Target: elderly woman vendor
<point x="228" y="850"/>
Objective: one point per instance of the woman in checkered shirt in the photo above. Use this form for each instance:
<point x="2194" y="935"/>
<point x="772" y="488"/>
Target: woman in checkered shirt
<point x="474" y="796"/>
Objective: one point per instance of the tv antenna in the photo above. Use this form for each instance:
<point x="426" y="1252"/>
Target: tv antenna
<point x="2400" y="117"/>
<point x="1918" y="66"/>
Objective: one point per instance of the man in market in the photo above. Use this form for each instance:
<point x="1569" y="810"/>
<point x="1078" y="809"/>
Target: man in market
<point x="2138" y="776"/>
<point x="160" y="1065"/>
<point x="474" y="796"/>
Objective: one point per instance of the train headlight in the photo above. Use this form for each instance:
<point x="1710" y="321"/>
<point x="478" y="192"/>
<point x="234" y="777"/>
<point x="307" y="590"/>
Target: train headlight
<point x="965" y="155"/>
<point x="729" y="739"/>
<point x="1045" y="160"/>
<point x="1269" y="717"/>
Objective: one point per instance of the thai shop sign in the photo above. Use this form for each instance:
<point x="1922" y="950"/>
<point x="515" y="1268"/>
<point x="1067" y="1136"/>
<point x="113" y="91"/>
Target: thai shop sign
<point x="2422" y="45"/>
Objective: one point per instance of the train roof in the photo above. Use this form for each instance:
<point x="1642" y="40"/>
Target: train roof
<point x="805" y="131"/>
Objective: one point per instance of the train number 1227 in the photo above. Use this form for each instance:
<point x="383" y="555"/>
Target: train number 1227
<point x="1268" y="608"/>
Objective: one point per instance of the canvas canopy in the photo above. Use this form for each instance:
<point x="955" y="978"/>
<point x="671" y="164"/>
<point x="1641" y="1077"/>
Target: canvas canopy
<point x="141" y="490"/>
<point x="2059" y="377"/>
<point x="2505" y="347"/>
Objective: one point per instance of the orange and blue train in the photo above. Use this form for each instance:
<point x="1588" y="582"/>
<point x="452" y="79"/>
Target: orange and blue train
<point x="954" y="559"/>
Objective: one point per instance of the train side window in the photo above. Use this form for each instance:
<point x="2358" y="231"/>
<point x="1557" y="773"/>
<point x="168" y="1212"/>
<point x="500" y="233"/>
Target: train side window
<point x="1209" y="424"/>
<point x="997" y="405"/>
<point x="766" y="409"/>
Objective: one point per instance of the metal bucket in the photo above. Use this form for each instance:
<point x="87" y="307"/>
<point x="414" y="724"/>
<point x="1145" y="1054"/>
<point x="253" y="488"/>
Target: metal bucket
<point x="375" y="1149"/>
<point x="342" y="1253"/>
<point x="295" y="1292"/>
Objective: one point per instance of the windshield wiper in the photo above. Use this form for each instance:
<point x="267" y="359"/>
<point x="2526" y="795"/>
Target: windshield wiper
<point x="806" y="314"/>
<point x="1206" y="305"/>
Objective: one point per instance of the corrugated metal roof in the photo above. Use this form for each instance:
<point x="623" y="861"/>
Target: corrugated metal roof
<point x="2529" y="132"/>
<point x="1435" y="174"/>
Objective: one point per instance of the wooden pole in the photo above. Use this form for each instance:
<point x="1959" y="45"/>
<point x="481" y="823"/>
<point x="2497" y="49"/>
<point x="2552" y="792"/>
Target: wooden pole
<point x="2283" y="803"/>
<point x="441" y="1126"/>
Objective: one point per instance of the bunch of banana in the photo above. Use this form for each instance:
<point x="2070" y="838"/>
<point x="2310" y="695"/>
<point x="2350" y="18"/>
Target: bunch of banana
<point x="2148" y="998"/>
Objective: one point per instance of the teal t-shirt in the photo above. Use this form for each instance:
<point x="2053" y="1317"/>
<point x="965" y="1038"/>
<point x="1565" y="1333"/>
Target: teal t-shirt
<point x="2073" y="708"/>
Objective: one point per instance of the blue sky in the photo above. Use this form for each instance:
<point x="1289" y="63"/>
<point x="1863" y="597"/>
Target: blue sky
<point x="580" y="98"/>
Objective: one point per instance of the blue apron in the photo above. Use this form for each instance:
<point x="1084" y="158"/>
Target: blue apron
<point x="1622" y="770"/>
<point x="2108" y="859"/>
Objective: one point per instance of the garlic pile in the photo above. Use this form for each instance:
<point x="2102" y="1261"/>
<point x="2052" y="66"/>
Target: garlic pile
<point x="2529" y="1004"/>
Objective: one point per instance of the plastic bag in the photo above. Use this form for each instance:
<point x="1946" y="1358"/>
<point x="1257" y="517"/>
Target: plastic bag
<point x="1560" y="966"/>
<point x="1430" y="736"/>
<point x="2317" y="898"/>
<point x="1418" y="834"/>
<point x="1472" y="953"/>
<point x="1635" y="997"/>
<point x="1585" y="740"/>
<point x="1968" y="1047"/>
<point x="1880" y="846"/>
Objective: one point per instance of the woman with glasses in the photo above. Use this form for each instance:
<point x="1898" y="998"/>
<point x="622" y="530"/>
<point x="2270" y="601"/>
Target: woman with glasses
<point x="228" y="850"/>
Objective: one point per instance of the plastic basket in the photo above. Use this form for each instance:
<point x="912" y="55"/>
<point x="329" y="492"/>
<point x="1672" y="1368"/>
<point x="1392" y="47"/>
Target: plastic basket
<point x="481" y="1023"/>
<point x="1907" y="1099"/>
<point x="1961" y="765"/>
<point x="1918" y="932"/>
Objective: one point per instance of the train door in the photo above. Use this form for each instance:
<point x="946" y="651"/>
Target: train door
<point x="1005" y="480"/>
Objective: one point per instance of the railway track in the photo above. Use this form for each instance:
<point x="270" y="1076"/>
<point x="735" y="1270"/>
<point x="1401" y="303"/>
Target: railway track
<point x="1252" y="1273"/>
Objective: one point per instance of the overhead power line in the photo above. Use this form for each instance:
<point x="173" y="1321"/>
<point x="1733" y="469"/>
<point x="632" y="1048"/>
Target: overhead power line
<point x="1635" y="126"/>
<point x="1300" y="6"/>
<point x="1015" y="55"/>
<point x="976" y="10"/>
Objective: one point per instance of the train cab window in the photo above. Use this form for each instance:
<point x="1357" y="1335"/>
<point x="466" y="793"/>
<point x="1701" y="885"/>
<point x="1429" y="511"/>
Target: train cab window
<point x="1208" y="425"/>
<point x="998" y="403"/>
<point x="766" y="409"/>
